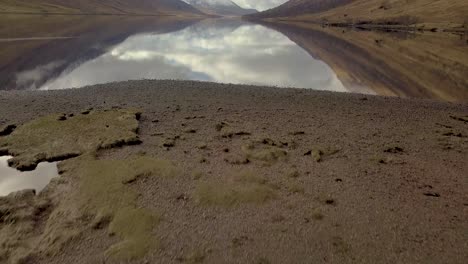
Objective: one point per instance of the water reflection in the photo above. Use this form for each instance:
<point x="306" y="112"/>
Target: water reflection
<point x="215" y="50"/>
<point x="42" y="48"/>
<point x="40" y="55"/>
<point x="12" y="180"/>
<point x="404" y="64"/>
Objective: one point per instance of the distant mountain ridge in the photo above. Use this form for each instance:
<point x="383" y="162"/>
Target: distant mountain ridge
<point x="97" y="7"/>
<point x="220" y="7"/>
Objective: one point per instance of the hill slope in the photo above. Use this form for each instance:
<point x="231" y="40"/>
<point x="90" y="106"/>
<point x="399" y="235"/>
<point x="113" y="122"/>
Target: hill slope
<point x="439" y="13"/>
<point x="97" y="7"/>
<point x="220" y="7"/>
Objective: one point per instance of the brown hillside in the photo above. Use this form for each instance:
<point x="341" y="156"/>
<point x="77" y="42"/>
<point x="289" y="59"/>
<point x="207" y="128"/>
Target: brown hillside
<point x="431" y="13"/>
<point x="96" y="7"/>
<point x="417" y="11"/>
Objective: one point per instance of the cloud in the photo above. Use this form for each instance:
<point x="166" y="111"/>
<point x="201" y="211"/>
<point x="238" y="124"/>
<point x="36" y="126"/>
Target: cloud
<point x="260" y="5"/>
<point x="31" y="78"/>
<point x="225" y="52"/>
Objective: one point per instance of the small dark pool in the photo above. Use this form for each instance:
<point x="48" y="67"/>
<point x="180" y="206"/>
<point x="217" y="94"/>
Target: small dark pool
<point x="12" y="180"/>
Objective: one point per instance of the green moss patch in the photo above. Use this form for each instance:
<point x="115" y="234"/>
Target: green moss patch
<point x="105" y="191"/>
<point x="104" y="194"/>
<point x="134" y="227"/>
<point x="114" y="176"/>
<point x="245" y="187"/>
<point x="58" y="137"/>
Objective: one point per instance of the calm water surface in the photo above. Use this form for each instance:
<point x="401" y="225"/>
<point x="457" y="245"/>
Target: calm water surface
<point x="226" y="52"/>
<point x="12" y="180"/>
<point x="77" y="52"/>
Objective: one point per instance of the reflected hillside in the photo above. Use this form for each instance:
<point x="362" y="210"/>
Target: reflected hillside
<point x="395" y="64"/>
<point x="34" y="49"/>
<point x="57" y="52"/>
<point x="215" y="50"/>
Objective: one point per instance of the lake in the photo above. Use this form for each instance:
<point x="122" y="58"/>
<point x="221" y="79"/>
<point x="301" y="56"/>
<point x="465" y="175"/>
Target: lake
<point x="58" y="52"/>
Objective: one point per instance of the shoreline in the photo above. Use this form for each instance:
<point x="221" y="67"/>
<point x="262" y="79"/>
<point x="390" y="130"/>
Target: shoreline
<point x="110" y="14"/>
<point x="243" y="174"/>
<point x="363" y="25"/>
<point x="207" y="85"/>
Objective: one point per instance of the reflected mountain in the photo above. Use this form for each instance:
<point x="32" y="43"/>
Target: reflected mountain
<point x="218" y="50"/>
<point x="57" y="52"/>
<point x="37" y="49"/>
<point x="429" y="65"/>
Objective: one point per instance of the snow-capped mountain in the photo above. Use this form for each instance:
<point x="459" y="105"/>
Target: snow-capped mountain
<point x="220" y="7"/>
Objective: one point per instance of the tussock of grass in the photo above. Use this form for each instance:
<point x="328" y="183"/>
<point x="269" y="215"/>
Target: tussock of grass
<point x="49" y="138"/>
<point x="318" y="154"/>
<point x="202" y="145"/>
<point x="269" y="154"/>
<point x="293" y="173"/>
<point x="264" y="153"/>
<point x="244" y="187"/>
<point x="230" y="133"/>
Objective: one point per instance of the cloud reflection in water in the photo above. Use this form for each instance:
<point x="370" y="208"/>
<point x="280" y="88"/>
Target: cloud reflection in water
<point x="227" y="52"/>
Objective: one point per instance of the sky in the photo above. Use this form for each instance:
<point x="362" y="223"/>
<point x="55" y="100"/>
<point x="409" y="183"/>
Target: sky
<point x="260" y="5"/>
